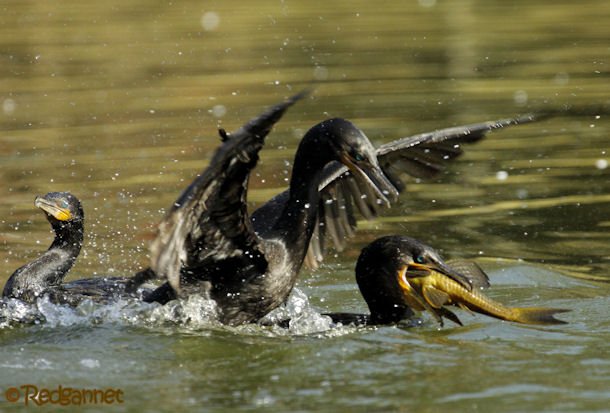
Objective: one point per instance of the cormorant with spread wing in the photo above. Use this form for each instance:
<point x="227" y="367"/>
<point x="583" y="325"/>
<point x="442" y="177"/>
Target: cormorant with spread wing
<point x="208" y="245"/>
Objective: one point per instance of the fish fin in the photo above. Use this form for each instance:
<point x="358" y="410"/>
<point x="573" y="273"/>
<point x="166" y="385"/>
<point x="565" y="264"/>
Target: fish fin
<point x="465" y="307"/>
<point x="450" y="316"/>
<point x="537" y="315"/>
<point x="414" y="301"/>
<point x="438" y="316"/>
<point x="417" y="298"/>
<point x="435" y="297"/>
<point x="471" y="270"/>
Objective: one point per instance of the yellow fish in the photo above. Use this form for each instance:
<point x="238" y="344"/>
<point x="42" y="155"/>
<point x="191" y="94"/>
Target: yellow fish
<point x="430" y="288"/>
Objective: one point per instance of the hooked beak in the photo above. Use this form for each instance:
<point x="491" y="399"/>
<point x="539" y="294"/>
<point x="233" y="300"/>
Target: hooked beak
<point x="60" y="214"/>
<point x="371" y="177"/>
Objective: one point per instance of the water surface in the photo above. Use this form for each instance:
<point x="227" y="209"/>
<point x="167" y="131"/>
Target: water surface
<point x="119" y="103"/>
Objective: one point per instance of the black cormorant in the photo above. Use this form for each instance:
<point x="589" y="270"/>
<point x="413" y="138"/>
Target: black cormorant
<point x="44" y="276"/>
<point x="65" y="214"/>
<point x="208" y="245"/>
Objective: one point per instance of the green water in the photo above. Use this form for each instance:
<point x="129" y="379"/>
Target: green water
<point x="118" y="102"/>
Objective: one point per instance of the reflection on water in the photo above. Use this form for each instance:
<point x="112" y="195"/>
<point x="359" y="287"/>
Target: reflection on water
<point x="118" y="102"/>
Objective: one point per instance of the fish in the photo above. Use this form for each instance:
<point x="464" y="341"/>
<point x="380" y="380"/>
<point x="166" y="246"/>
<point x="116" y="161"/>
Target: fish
<point x="426" y="289"/>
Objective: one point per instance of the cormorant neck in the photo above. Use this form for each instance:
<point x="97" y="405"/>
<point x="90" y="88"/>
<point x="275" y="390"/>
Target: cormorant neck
<point x="312" y="155"/>
<point x="297" y="220"/>
<point x="48" y="270"/>
<point x="68" y="236"/>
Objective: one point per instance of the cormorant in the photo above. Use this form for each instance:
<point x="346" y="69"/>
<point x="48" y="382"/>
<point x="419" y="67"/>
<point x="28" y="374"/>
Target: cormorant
<point x="397" y="274"/>
<point x="44" y="276"/>
<point x="65" y="214"/>
<point x="208" y="245"/>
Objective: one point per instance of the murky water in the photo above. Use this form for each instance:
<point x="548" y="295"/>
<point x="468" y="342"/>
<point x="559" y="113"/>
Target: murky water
<point x="118" y="102"/>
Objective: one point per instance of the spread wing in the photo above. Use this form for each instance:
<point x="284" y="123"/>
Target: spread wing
<point x="419" y="156"/>
<point x="209" y="221"/>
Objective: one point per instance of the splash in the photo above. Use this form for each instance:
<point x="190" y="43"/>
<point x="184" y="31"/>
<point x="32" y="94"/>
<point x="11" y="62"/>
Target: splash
<point x="297" y="317"/>
<point x="15" y="312"/>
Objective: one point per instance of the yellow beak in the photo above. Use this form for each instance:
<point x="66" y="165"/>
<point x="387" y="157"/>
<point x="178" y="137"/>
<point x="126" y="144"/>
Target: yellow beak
<point x="60" y="214"/>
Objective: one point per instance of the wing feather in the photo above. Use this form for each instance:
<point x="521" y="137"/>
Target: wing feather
<point x="420" y="156"/>
<point x="209" y="221"/>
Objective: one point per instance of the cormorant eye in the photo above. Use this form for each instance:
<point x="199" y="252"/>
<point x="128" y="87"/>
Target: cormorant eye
<point x="64" y="204"/>
<point x="419" y="259"/>
<point x="358" y="157"/>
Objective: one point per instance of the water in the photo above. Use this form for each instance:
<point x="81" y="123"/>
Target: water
<point x="118" y="103"/>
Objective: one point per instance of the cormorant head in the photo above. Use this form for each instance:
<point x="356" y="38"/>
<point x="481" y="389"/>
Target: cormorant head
<point x="352" y="148"/>
<point x="376" y="275"/>
<point x="381" y="269"/>
<point x="61" y="209"/>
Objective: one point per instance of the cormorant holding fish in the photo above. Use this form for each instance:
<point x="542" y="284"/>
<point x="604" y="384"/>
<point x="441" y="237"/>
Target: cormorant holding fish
<point x="398" y="274"/>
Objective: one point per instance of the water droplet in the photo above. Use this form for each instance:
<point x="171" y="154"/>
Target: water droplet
<point x="562" y="78"/>
<point x="520" y="97"/>
<point x="501" y="175"/>
<point x="320" y="73"/>
<point x="210" y="21"/>
<point x="218" y="111"/>
<point x="8" y="106"/>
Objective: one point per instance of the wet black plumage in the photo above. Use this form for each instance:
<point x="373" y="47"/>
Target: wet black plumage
<point x="208" y="245"/>
<point x="65" y="214"/>
<point x="44" y="276"/>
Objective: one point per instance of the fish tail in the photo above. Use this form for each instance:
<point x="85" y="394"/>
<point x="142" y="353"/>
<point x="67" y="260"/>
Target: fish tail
<point x="537" y="315"/>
